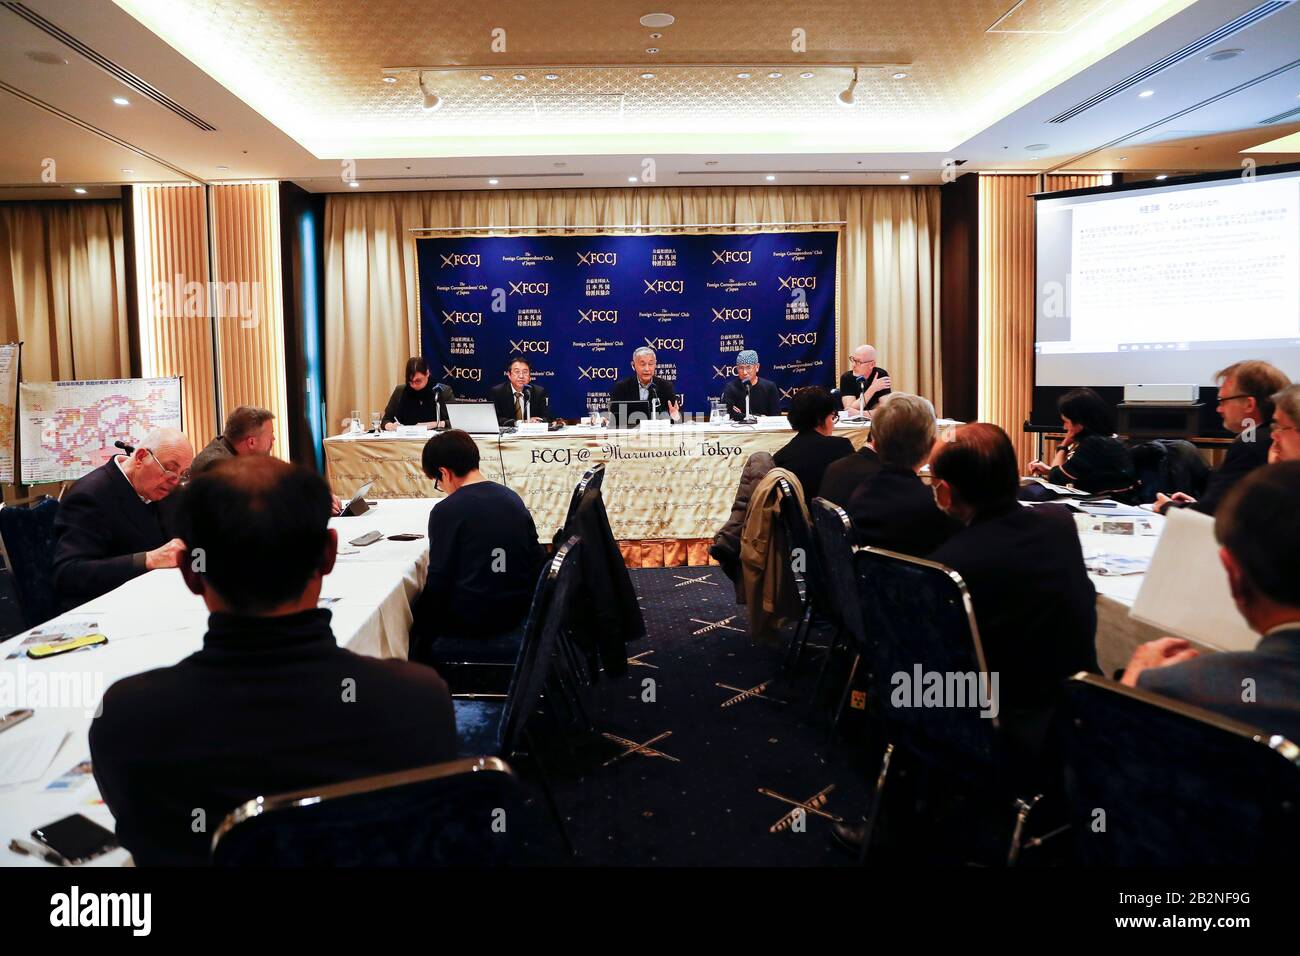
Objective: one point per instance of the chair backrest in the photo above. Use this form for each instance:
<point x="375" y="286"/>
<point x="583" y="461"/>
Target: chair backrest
<point x="929" y="678"/>
<point x="548" y="615"/>
<point x="444" y="814"/>
<point x="1166" y="465"/>
<point x="1153" y="781"/>
<point x="799" y="536"/>
<point x="834" y="532"/>
<point x="28" y="539"/>
<point x="593" y="477"/>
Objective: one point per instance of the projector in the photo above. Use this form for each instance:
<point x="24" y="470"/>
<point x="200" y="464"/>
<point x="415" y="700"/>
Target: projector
<point x="1162" y="394"/>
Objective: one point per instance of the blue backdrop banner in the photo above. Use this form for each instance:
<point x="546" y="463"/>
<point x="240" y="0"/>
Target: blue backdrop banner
<point x="577" y="307"/>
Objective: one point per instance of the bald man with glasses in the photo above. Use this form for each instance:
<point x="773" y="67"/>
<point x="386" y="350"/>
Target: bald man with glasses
<point x="865" y="383"/>
<point x="109" y="529"/>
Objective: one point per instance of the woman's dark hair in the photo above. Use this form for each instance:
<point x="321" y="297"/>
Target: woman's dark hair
<point x="809" y="408"/>
<point x="453" y="450"/>
<point x="414" y="366"/>
<point x="979" y="463"/>
<point x="1086" y="408"/>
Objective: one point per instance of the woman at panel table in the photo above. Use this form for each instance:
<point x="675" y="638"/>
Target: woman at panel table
<point x="419" y="401"/>
<point x="1090" y="457"/>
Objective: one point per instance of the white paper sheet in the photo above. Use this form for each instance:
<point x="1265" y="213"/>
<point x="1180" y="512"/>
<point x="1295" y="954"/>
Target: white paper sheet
<point x="27" y="759"/>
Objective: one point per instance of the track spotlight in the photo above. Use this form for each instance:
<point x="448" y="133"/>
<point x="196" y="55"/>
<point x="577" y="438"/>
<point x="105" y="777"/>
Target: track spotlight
<point x="846" y="95"/>
<point x="431" y="99"/>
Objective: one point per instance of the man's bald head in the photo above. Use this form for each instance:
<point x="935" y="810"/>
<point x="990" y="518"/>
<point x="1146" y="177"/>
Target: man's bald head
<point x="864" y="353"/>
<point x="160" y="462"/>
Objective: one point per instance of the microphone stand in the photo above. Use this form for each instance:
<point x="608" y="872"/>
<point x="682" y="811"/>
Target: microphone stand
<point x="748" y="419"/>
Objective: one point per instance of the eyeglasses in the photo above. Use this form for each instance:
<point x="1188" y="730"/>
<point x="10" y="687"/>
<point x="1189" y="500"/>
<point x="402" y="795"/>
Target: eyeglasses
<point x="1229" y="398"/>
<point x="861" y="361"/>
<point x="1284" y="428"/>
<point x="181" y="476"/>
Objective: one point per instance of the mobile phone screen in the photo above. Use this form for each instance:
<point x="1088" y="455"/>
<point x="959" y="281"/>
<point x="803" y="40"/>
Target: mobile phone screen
<point x="76" y="837"/>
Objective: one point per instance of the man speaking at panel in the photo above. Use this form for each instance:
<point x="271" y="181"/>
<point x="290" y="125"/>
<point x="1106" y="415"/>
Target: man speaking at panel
<point x="642" y="396"/>
<point x="865" y="383"/>
<point x="517" y="399"/>
<point x="747" y="395"/>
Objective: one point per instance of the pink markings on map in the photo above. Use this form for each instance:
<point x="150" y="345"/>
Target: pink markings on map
<point x="85" y="434"/>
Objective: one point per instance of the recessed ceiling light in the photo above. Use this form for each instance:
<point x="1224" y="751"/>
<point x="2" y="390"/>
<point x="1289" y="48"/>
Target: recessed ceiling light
<point x="390" y="79"/>
<point x="657" y="21"/>
<point x="354" y="184"/>
<point x="1145" y="93"/>
<point x="1036" y="147"/>
<point x="652" y="49"/>
<point x="647" y="76"/>
<point x="771" y="178"/>
<point x="806" y="76"/>
<point x="79" y="191"/>
<point x="493" y="182"/>
<point x="129" y="172"/>
<point x="900" y="76"/>
<point x="487" y="77"/>
<point x="1229" y="54"/>
<point x="631" y="179"/>
<point x="710" y="162"/>
<point x="743" y="76"/>
<point x="519" y="76"/>
<point x="222" y="169"/>
<point x="121" y="101"/>
<point x="559" y="164"/>
<point x="905" y="176"/>
<point x="774" y="75"/>
<point x="552" y="76"/>
<point x="1163" y="176"/>
<point x="46" y="57"/>
<point x="656" y="36"/>
<point x="1123" y="158"/>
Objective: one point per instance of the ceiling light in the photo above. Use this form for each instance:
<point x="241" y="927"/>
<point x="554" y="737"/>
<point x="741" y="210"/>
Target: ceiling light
<point x="390" y="79"/>
<point x="129" y="172"/>
<point x="559" y="164"/>
<point x="846" y="95"/>
<point x="743" y="76"/>
<point x="1163" y="176"/>
<point x="631" y="179"/>
<point x="1229" y="54"/>
<point x="771" y="178"/>
<point x="79" y="191"/>
<point x="652" y="49"/>
<point x="1036" y="147"/>
<point x="710" y="162"/>
<point x="1145" y="93"/>
<point x="493" y="182"/>
<point x="552" y="76"/>
<point x="431" y="99"/>
<point x="487" y="77"/>
<point x="647" y="76"/>
<point x="46" y="57"/>
<point x="656" y="36"/>
<point x="657" y="21"/>
<point x="905" y="176"/>
<point x="222" y="169"/>
<point x="806" y="76"/>
<point x="1122" y="158"/>
<point x="121" y="101"/>
<point x="900" y="76"/>
<point x="774" y="75"/>
<point x="519" y="76"/>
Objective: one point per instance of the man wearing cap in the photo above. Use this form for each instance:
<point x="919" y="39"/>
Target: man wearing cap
<point x="764" y="397"/>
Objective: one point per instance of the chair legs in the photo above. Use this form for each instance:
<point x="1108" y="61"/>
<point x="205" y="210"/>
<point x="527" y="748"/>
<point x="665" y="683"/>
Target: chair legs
<point x="844" y="699"/>
<point x="550" y="797"/>
<point x="798" y="639"/>
<point x="877" y="798"/>
<point x="836" y="634"/>
<point x="1023" y="809"/>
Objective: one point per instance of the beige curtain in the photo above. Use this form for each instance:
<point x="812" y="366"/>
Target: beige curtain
<point x="889" y="266"/>
<point x="63" y="289"/>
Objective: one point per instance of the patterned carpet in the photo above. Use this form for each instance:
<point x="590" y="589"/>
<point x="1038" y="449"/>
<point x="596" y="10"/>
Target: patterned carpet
<point x="722" y="770"/>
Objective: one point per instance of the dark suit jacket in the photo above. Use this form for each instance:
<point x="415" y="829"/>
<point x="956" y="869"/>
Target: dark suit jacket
<point x="217" y="450"/>
<point x="849" y="385"/>
<point x="764" y="398"/>
<point x="102" y="532"/>
<point x="627" y="391"/>
<point x="406" y="406"/>
<point x="1214" y="681"/>
<point x="1241" y="459"/>
<point x="503" y="399"/>
<point x="895" y="510"/>
<point x="808" y="454"/>
<point x="846" y="475"/>
<point x="262" y="709"/>
<point x="1034" y="605"/>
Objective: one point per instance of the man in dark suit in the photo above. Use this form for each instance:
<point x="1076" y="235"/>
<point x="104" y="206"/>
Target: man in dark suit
<point x="1258" y="528"/>
<point x="807" y="454"/>
<point x="517" y="399"/>
<point x="271" y="703"/>
<point x="109" y="530"/>
<point x="865" y="383"/>
<point x="1034" y="604"/>
<point x="639" y="397"/>
<point x="1246" y="391"/>
<point x="747" y="394"/>
<point x="846" y="475"/>
<point x="895" y="510"/>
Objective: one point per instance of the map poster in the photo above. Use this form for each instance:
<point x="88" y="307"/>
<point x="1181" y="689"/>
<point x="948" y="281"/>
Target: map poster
<point x="68" y="428"/>
<point x="8" y="405"/>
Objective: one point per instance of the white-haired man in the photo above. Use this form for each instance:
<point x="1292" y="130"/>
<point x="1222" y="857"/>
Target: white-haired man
<point x="108" y="529"/>
<point x="643" y="395"/>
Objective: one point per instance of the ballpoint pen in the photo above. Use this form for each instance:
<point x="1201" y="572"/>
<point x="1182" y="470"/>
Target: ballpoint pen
<point x="27" y="848"/>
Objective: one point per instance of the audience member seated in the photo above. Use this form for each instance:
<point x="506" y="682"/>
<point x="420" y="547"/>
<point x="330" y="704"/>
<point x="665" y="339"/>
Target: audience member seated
<point x="1286" y="420"/>
<point x="1090" y="457"/>
<point x="1246" y="391"/>
<point x="812" y="415"/>
<point x="848" y="474"/>
<point x="1258" y="528"/>
<point x="895" y="510"/>
<point x="108" y="529"/>
<point x="726" y="545"/>
<point x="249" y="431"/>
<point x="419" y="401"/>
<point x="271" y="703"/>
<point x="1034" y="605"/>
<point x="484" y="556"/>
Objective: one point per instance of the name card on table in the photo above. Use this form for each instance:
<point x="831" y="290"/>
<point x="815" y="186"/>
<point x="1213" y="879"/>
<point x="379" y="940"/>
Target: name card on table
<point x="531" y="428"/>
<point x="655" y="425"/>
<point x="412" y="431"/>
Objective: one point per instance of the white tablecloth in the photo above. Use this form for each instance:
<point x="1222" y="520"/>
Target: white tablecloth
<point x="154" y="621"/>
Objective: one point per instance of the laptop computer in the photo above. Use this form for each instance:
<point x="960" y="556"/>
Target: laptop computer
<point x="477" y="418"/>
<point x="357" y="506"/>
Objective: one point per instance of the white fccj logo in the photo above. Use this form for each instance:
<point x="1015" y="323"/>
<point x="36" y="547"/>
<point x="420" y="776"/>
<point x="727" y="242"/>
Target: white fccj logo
<point x="523" y="345"/>
<point x="664" y="285"/>
<point x="598" y="258"/>
<point x="458" y="372"/>
<point x="530" y="288"/>
<point x="733" y="315"/>
<point x="74" y="908"/>
<point x="595" y="373"/>
<point x="797" y="282"/>
<point x="797" y="338"/>
<point x="725" y="256"/>
<point x="455" y="259"/>
<point x="462" y="318"/>
<point x="598" y="315"/>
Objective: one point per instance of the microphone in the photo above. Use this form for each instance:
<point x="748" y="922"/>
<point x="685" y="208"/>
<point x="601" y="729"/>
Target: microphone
<point x="862" y="395"/>
<point x="527" y="392"/>
<point x="653" y="392"/>
<point x="129" y="449"/>
<point x="748" y="416"/>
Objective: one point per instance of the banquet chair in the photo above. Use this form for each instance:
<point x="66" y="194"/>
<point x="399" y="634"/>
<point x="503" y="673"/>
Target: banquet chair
<point x="808" y="571"/>
<point x="1153" y="781"/>
<point x="502" y="726"/>
<point x="922" y="619"/>
<point x="27" y="543"/>
<point x="456" y="813"/>
<point x="834" y="533"/>
<point x="593" y="477"/>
